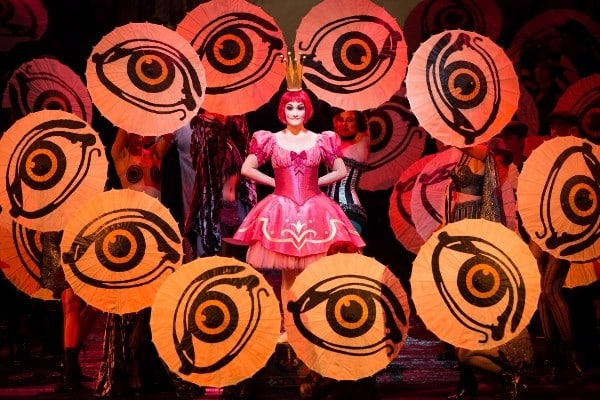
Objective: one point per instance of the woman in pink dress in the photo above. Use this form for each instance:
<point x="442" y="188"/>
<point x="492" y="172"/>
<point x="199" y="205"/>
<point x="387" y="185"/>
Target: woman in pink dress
<point x="297" y="223"/>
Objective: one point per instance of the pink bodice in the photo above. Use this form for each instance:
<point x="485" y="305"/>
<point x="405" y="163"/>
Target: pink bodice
<point x="298" y="184"/>
<point x="297" y="220"/>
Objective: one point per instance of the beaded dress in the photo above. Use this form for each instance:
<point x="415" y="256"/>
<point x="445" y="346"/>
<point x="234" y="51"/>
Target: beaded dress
<point x="296" y="224"/>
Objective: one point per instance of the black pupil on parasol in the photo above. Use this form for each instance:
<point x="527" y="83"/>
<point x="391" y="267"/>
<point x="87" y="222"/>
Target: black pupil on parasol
<point x="152" y="69"/>
<point x="583" y="200"/>
<point x="213" y="317"/>
<point x="465" y="83"/>
<point x="356" y="54"/>
<point x="352" y="312"/>
<point x="230" y="50"/>
<point x="483" y="282"/>
<point x="453" y="20"/>
<point x="54" y="105"/>
<point x="42" y="164"/>
<point x="152" y="72"/>
<point x="121" y="247"/>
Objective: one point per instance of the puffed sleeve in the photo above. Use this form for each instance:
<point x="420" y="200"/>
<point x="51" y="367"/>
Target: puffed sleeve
<point x="330" y="146"/>
<point x="261" y="145"/>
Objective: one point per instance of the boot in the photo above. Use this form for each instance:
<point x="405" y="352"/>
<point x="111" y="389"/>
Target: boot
<point x="71" y="376"/>
<point x="467" y="384"/>
<point x="511" y="385"/>
<point x="573" y="371"/>
<point x="552" y="365"/>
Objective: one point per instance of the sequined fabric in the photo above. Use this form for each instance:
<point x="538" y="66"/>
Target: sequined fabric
<point x="518" y="352"/>
<point x="127" y="340"/>
<point x="53" y="277"/>
<point x="344" y="192"/>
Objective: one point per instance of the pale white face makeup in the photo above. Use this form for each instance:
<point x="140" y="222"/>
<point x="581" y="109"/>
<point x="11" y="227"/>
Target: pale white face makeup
<point x="295" y="113"/>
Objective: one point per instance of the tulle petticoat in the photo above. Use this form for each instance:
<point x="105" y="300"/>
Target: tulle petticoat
<point x="262" y="258"/>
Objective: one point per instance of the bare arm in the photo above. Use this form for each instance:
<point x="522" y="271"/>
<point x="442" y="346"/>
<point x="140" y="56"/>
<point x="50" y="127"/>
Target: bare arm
<point x="337" y="172"/>
<point x="162" y="146"/>
<point x="117" y="151"/>
<point x="250" y="171"/>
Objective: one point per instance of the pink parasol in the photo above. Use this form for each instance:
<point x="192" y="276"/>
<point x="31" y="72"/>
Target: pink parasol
<point x="145" y="78"/>
<point x="47" y="84"/>
<point x="355" y="53"/>
<point x="462" y="87"/>
<point x="240" y="46"/>
<point x="396" y="141"/>
<point x="400" y="212"/>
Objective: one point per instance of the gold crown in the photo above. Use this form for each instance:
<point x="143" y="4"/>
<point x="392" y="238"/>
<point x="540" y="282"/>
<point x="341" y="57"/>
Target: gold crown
<point x="293" y="71"/>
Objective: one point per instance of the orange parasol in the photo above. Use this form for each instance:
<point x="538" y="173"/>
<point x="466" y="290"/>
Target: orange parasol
<point x="240" y="46"/>
<point x="430" y="17"/>
<point x="21" y="259"/>
<point x="396" y="141"/>
<point x="355" y="53"/>
<point x="22" y="21"/>
<point x="118" y="248"/>
<point x="215" y="321"/>
<point x="400" y="213"/>
<point x="582" y="274"/>
<point x="475" y="284"/>
<point x="47" y="84"/>
<point x="582" y="99"/>
<point x="348" y="316"/>
<point x="462" y="87"/>
<point x="145" y="78"/>
<point x="51" y="161"/>
<point x="429" y="192"/>
<point x="559" y="193"/>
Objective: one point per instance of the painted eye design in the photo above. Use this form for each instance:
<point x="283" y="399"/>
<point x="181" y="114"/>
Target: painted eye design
<point x="571" y="194"/>
<point x="457" y="71"/>
<point x="432" y="17"/>
<point x="342" y="58"/>
<point x="405" y="186"/>
<point x="239" y="50"/>
<point x="462" y="87"/>
<point x="482" y="277"/>
<point x="21" y="258"/>
<point x="132" y="247"/>
<point x="145" y="78"/>
<point x="224" y="306"/>
<point x="355" y="307"/>
<point x="21" y="21"/>
<point x="52" y="162"/>
<point x="428" y="180"/>
<point x="396" y="141"/>
<point x="151" y="68"/>
<point x="45" y="83"/>
<point x="28" y="245"/>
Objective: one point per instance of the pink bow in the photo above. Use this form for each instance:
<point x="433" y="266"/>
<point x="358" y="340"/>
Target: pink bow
<point x="298" y="160"/>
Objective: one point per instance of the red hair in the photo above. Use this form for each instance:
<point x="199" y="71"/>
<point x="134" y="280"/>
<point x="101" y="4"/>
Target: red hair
<point x="294" y="95"/>
<point x="342" y="247"/>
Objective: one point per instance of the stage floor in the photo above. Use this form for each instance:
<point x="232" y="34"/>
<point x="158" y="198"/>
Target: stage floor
<point x="415" y="374"/>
